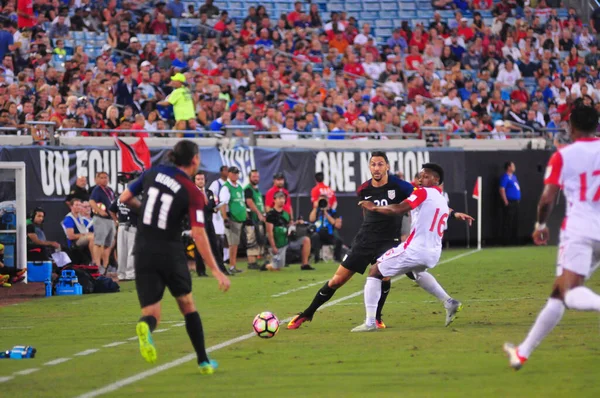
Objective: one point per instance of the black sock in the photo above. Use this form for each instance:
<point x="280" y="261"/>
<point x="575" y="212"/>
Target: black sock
<point x="322" y="296"/>
<point x="193" y="325"/>
<point x="385" y="289"/>
<point x="150" y="320"/>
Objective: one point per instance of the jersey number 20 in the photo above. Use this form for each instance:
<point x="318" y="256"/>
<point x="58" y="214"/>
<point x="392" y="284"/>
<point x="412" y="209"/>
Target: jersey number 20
<point x="166" y="201"/>
<point x="441" y="224"/>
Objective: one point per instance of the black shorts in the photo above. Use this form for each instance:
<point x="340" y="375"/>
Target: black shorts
<point x="360" y="256"/>
<point x="154" y="272"/>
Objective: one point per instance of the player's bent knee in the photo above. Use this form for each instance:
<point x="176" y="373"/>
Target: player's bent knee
<point x="186" y="304"/>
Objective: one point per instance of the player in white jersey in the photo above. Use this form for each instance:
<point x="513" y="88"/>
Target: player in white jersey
<point x="421" y="250"/>
<point x="576" y="170"/>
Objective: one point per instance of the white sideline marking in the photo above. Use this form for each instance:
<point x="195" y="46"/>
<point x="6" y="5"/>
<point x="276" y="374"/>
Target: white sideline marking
<point x="26" y="372"/>
<point x="57" y="361"/>
<point x="177" y="325"/>
<point x="6" y="378"/>
<point x="135" y="323"/>
<point x="116" y="343"/>
<point x="299" y="288"/>
<point x="160" y="331"/>
<point x="87" y="352"/>
<point x="464" y="302"/>
<point x="132" y="338"/>
<point x="143" y="375"/>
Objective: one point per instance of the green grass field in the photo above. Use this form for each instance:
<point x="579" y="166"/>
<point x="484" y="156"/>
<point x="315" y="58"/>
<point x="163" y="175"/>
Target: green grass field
<point x="502" y="289"/>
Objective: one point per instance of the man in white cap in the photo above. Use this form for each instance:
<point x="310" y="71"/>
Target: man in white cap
<point x="498" y="131"/>
<point x="182" y="102"/>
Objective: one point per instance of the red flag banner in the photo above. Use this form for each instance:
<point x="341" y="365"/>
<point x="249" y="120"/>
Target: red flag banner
<point x="476" y="189"/>
<point x="131" y="161"/>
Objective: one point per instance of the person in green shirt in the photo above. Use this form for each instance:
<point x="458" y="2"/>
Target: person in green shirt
<point x="278" y="232"/>
<point x="182" y="101"/>
<point x="254" y="228"/>
<point x="233" y="209"/>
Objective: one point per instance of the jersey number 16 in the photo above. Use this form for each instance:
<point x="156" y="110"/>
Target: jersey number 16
<point x="163" y="213"/>
<point x="441" y="224"/>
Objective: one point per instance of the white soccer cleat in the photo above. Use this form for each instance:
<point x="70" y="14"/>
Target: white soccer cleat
<point x="515" y="361"/>
<point x="454" y="307"/>
<point x="365" y="328"/>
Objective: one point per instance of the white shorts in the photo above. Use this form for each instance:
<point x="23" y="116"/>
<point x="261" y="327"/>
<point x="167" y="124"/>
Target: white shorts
<point x="578" y="255"/>
<point x="398" y="261"/>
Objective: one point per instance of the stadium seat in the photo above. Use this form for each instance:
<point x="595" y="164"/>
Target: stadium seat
<point x="424" y="13"/>
<point x="369" y="15"/>
<point x="383" y="32"/>
<point x="407" y="6"/>
<point x="404" y="14"/>
<point x="389" y="6"/>
<point x="372" y="7"/>
<point x="353" y="7"/>
<point x="383" y="23"/>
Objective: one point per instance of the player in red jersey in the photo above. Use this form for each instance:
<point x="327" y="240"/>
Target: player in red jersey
<point x="576" y="170"/>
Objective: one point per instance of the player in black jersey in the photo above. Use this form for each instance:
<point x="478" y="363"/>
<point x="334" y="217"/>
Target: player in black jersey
<point x="377" y="234"/>
<point x="168" y="195"/>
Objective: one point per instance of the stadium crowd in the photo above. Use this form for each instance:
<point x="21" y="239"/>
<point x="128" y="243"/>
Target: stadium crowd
<point x="303" y="75"/>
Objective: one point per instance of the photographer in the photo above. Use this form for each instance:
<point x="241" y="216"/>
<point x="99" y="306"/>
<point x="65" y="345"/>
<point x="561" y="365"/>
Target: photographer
<point x="326" y="222"/>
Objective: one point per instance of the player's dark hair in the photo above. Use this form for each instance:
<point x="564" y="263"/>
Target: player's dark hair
<point x="319" y="177"/>
<point x="75" y="200"/>
<point x="223" y="168"/>
<point x="437" y="169"/>
<point x="253" y="171"/>
<point x="98" y="174"/>
<point x="584" y="118"/>
<point x="182" y="153"/>
<point x="200" y="173"/>
<point x="507" y="165"/>
<point x="380" y="154"/>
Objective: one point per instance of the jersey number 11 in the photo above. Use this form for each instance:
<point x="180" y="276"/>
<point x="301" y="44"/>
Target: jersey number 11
<point x="163" y="213"/>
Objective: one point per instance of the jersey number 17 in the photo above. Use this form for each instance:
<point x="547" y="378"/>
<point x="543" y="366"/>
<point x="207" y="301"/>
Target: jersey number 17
<point x="166" y="201"/>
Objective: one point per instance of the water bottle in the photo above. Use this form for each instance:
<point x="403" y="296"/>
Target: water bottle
<point x="48" y="284"/>
<point x="19" y="352"/>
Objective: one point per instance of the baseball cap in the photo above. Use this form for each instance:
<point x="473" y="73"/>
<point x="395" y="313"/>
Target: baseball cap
<point x="178" y="77"/>
<point x="278" y="176"/>
<point x="134" y="40"/>
<point x="126" y="72"/>
<point x="106" y="48"/>
<point x="146" y="63"/>
<point x="279" y="194"/>
<point x="233" y="170"/>
<point x="499" y="123"/>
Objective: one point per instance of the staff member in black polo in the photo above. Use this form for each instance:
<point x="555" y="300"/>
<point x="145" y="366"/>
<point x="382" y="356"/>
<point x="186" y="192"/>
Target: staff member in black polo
<point x="104" y="227"/>
<point x="216" y="244"/>
<point x="510" y="192"/>
<point x="78" y="191"/>
<point x="126" y="230"/>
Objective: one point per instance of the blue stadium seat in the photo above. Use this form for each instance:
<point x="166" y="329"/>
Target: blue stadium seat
<point x="353" y="7"/>
<point x="369" y="15"/>
<point x="383" y="23"/>
<point x="372" y="7"/>
<point x="408" y="14"/>
<point x="425" y="14"/>
<point x="335" y="7"/>
<point x="407" y="6"/>
<point x="79" y="36"/>
<point x="383" y="32"/>
<point x="389" y="6"/>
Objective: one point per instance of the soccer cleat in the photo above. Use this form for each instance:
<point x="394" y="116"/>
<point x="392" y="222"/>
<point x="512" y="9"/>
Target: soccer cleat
<point x="208" y="368"/>
<point x="379" y="323"/>
<point x="515" y="361"/>
<point x="307" y="267"/>
<point x="365" y="328"/>
<point x="297" y="321"/>
<point x="147" y="348"/>
<point x="451" y="311"/>
<point x="253" y="266"/>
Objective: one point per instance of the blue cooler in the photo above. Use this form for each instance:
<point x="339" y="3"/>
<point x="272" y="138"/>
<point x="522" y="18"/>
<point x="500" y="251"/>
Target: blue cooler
<point x="39" y="271"/>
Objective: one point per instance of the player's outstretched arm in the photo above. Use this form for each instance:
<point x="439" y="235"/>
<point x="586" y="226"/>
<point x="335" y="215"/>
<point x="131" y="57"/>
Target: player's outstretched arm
<point x="541" y="233"/>
<point x="390" y="210"/>
<point x="203" y="246"/>
<point x="462" y="216"/>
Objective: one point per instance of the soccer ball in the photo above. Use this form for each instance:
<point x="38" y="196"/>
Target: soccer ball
<point x="266" y="325"/>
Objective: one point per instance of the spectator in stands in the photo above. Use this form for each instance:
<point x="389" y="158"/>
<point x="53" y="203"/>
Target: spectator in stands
<point x="209" y="9"/>
<point x="104" y="228"/>
<point x="182" y="102"/>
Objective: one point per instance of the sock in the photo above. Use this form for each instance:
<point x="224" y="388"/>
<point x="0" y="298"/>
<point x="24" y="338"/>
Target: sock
<point x="583" y="299"/>
<point x="150" y="320"/>
<point x="373" y="288"/>
<point x="432" y="286"/>
<point x="547" y="319"/>
<point x="226" y="254"/>
<point x="193" y="325"/>
<point x="322" y="296"/>
<point x="385" y="289"/>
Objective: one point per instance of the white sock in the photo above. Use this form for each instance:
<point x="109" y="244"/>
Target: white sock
<point x="432" y="286"/>
<point x="547" y="320"/>
<point x="225" y="254"/>
<point x="583" y="299"/>
<point x="372" y="295"/>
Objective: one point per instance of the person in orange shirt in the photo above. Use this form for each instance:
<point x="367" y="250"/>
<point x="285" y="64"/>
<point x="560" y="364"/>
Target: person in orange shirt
<point x="339" y="42"/>
<point x="323" y="190"/>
